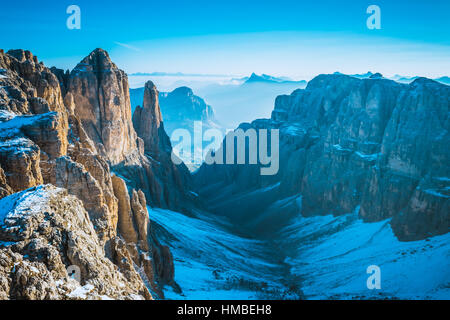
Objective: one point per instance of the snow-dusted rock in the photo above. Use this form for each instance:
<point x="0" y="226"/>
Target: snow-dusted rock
<point x="43" y="231"/>
<point x="68" y="129"/>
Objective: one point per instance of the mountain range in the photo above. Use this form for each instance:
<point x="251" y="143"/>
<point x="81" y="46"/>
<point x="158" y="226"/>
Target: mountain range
<point x="93" y="207"/>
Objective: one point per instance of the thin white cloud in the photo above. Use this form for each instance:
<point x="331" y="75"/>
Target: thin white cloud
<point x="128" y="46"/>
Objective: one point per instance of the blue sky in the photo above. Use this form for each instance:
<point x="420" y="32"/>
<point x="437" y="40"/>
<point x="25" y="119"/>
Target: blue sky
<point x="294" y="38"/>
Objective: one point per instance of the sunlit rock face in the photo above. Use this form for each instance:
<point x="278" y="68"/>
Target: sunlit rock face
<point x="373" y="145"/>
<point x="72" y="130"/>
<point x="411" y="176"/>
<point x="97" y="94"/>
<point x="100" y="94"/>
<point x="33" y="119"/>
<point x="43" y="231"/>
<point x="169" y="183"/>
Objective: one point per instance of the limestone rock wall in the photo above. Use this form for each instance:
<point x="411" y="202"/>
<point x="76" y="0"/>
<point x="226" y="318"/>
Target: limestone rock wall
<point x="347" y="144"/>
<point x="71" y="130"/>
<point x="100" y="94"/>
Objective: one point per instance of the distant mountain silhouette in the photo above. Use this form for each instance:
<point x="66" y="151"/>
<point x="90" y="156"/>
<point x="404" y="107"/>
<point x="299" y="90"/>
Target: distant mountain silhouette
<point x="444" y="80"/>
<point x="366" y="75"/>
<point x="270" y="79"/>
<point x="176" y="74"/>
<point x="397" y="77"/>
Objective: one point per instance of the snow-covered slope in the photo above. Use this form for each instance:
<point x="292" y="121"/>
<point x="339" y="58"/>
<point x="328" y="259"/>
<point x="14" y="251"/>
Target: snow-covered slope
<point x="322" y="257"/>
<point x="331" y="256"/>
<point x="213" y="263"/>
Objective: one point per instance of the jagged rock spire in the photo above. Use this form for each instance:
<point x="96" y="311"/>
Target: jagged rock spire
<point x="148" y="122"/>
<point x="102" y="102"/>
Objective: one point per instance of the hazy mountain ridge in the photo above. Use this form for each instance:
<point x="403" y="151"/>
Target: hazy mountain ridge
<point x="270" y="79"/>
<point x="398" y="78"/>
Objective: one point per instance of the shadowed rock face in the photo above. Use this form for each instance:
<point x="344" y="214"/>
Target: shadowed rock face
<point x="147" y="121"/>
<point x="21" y="169"/>
<point x="169" y="183"/>
<point x="373" y="145"/>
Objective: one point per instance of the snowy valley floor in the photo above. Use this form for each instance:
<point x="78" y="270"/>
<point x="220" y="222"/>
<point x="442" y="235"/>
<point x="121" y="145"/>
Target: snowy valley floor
<point x="331" y="256"/>
<point x="213" y="263"/>
<point x="314" y="258"/>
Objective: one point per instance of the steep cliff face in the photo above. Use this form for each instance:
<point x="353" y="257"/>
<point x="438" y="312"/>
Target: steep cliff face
<point x="101" y="98"/>
<point x="411" y="176"/>
<point x="169" y="183"/>
<point x="27" y="85"/>
<point x="154" y="137"/>
<point x="97" y="93"/>
<point x="72" y="130"/>
<point x="33" y="120"/>
<point x="179" y="105"/>
<point x="347" y="143"/>
<point x="139" y="239"/>
<point x="5" y="188"/>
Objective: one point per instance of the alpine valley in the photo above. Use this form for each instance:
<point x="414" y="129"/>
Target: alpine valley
<point x="87" y="183"/>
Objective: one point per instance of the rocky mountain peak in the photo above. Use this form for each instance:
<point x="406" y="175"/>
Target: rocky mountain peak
<point x="71" y="130"/>
<point x="147" y="121"/>
<point x="99" y="60"/>
<point x="100" y="94"/>
<point x="183" y="105"/>
<point x="182" y="91"/>
<point x="22" y="55"/>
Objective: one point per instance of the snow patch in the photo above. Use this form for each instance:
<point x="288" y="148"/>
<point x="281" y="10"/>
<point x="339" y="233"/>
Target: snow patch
<point x="30" y="201"/>
<point x="81" y="292"/>
<point x="436" y="193"/>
